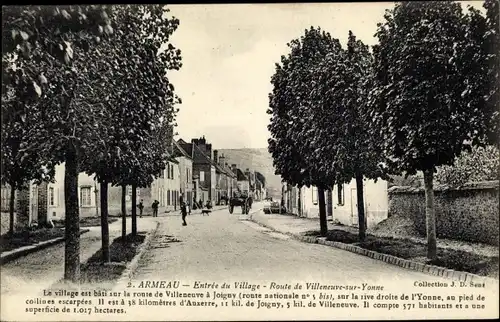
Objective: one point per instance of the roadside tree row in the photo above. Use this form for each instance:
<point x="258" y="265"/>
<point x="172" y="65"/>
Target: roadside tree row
<point x="426" y="92"/>
<point x="88" y="87"/>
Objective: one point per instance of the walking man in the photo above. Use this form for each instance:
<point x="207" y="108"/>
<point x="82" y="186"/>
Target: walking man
<point x="184" y="213"/>
<point x="155" y="208"/>
<point x="141" y="207"/>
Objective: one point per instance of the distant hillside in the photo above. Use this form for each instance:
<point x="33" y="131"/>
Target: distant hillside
<point x="255" y="159"/>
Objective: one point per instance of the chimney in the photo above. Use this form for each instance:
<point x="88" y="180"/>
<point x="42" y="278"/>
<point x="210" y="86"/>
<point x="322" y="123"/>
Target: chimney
<point x="216" y="156"/>
<point x="208" y="149"/>
<point x="222" y="159"/>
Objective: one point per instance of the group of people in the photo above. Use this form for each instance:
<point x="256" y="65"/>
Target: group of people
<point x="185" y="208"/>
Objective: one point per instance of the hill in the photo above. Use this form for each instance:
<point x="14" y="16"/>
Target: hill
<point x="255" y="159"/>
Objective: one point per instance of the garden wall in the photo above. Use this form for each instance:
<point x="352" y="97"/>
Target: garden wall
<point x="469" y="213"/>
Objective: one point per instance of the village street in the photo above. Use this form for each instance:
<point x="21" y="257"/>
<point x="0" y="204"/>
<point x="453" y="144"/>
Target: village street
<point x="223" y="247"/>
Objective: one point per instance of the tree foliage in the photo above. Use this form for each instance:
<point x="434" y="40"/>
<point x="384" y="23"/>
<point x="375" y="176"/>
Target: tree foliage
<point x="480" y="164"/>
<point x="417" y="101"/>
<point x="293" y="139"/>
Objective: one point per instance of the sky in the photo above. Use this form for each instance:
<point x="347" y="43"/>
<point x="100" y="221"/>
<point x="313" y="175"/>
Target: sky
<point x="229" y="53"/>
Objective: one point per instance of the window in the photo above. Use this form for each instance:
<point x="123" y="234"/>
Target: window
<point x="85" y="197"/>
<point x="137" y="191"/>
<point x="51" y="197"/>
<point x="172" y="169"/>
<point x="340" y="194"/>
<point x="202" y="176"/>
<point x="187" y="175"/>
<point x="168" y="197"/>
<point x="315" y="195"/>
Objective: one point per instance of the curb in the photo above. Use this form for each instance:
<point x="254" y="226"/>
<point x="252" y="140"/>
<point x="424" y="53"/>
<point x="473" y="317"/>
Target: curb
<point x="26" y="250"/>
<point x="390" y="259"/>
<point x="132" y="265"/>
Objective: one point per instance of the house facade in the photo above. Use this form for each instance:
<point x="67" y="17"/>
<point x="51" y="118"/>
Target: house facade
<point x="166" y="187"/>
<point x="376" y="202"/>
<point x="46" y="201"/>
<point x="203" y="166"/>
<point x="185" y="163"/>
<point x="224" y="178"/>
<point x="341" y="202"/>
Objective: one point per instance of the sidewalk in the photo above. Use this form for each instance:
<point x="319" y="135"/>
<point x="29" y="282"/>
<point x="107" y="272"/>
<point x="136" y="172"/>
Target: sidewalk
<point x="42" y="269"/>
<point x="297" y="225"/>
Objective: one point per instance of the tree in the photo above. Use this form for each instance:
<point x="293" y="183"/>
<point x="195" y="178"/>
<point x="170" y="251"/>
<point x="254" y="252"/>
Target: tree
<point x="340" y="97"/>
<point x="418" y="109"/>
<point x="293" y="138"/>
<point x="20" y="164"/>
<point x="136" y="91"/>
<point x="50" y="45"/>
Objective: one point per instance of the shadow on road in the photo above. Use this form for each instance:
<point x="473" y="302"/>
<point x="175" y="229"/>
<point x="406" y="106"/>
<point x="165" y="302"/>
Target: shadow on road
<point x="163" y="241"/>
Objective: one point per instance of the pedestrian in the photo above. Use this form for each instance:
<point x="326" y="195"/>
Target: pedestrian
<point x="184" y="213"/>
<point x="141" y="208"/>
<point x="155" y="208"/>
<point x="200" y="204"/>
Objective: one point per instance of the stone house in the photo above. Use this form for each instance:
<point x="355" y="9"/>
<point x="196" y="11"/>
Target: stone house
<point x="242" y="180"/>
<point x="185" y="171"/>
<point x="224" y="177"/>
<point x="203" y="165"/>
<point x="166" y="188"/>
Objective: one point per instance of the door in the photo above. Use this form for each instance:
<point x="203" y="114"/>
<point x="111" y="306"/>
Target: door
<point x="354" y="207"/>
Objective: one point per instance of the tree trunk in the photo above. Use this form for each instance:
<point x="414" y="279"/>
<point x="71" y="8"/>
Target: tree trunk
<point x="124" y="211"/>
<point x="104" y="222"/>
<point x="134" y="210"/>
<point x="361" y="207"/>
<point x="72" y="222"/>
<point x="322" y="212"/>
<point x="11" y="209"/>
<point x="430" y="217"/>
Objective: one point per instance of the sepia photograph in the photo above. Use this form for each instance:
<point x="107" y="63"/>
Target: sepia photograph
<point x="250" y="162"/>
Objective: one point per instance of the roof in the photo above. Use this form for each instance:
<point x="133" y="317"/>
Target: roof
<point x="203" y="155"/>
<point x="241" y="176"/>
<point x="179" y="151"/>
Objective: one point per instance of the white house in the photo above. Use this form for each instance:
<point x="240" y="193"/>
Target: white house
<point x="341" y="206"/>
<point x="345" y="206"/>
<point x="166" y="188"/>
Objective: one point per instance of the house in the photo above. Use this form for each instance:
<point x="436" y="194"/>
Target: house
<point x="203" y="166"/>
<point x="341" y="202"/>
<point x="376" y="200"/>
<point x="259" y="190"/>
<point x="186" y="172"/>
<point x="46" y="201"/>
<point x="225" y="178"/>
<point x="242" y="181"/>
<point x="166" y="188"/>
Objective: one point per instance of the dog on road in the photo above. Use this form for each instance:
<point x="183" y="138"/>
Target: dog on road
<point x="206" y="212"/>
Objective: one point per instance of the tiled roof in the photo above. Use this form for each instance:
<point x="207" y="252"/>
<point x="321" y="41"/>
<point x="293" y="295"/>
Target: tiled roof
<point x="179" y="151"/>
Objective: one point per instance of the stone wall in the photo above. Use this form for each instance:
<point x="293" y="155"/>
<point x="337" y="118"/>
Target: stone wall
<point x="469" y="213"/>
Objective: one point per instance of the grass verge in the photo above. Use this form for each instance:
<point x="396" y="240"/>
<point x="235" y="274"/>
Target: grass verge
<point x="449" y="258"/>
<point x="85" y="222"/>
<point x="94" y="275"/>
<point x="28" y="237"/>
